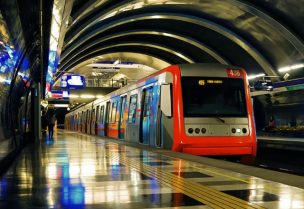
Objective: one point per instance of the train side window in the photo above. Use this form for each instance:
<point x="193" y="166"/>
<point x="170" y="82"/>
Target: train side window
<point x="132" y="109"/>
<point x="102" y="114"/>
<point x="113" y="112"/>
<point x="147" y="102"/>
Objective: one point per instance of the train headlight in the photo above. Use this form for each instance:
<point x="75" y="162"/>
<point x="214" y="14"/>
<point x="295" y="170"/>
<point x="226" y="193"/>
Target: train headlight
<point x="233" y="130"/>
<point x="190" y="130"/>
<point x="197" y="130"/>
<point x="203" y="130"/>
<point x="244" y="130"/>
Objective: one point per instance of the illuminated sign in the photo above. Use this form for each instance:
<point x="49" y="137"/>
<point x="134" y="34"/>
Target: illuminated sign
<point x="58" y="94"/>
<point x="204" y="82"/>
<point x="201" y="82"/>
<point x="214" y="81"/>
<point x="234" y="73"/>
<point x="72" y="82"/>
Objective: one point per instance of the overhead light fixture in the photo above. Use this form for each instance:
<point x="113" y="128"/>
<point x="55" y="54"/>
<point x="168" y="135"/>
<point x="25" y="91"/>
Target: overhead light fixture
<point x="286" y="76"/>
<point x="251" y="77"/>
<point x="73" y="96"/>
<point x="116" y="62"/>
<point x="87" y="96"/>
<point x="61" y="105"/>
<point x="291" y="67"/>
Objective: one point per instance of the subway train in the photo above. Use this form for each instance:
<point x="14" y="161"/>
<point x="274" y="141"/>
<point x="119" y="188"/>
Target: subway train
<point x="200" y="109"/>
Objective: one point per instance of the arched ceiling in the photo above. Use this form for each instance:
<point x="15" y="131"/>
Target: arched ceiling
<point x="260" y="35"/>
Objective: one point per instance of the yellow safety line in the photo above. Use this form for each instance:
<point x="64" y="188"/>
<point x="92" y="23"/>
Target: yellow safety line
<point x="204" y="194"/>
<point x="266" y="187"/>
<point x="179" y="179"/>
<point x="221" y="174"/>
<point x="176" y="187"/>
<point x="193" y="185"/>
<point x="218" y="199"/>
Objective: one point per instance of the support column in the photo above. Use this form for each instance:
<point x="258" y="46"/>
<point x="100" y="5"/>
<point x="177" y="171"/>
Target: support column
<point x="36" y="111"/>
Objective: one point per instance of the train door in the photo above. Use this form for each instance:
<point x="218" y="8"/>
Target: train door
<point x="121" y="122"/>
<point x="78" y="122"/>
<point x="83" y="122"/>
<point x="93" y="121"/>
<point x="113" y="119"/>
<point x="106" y="121"/>
<point x="146" y="116"/>
<point x="157" y="115"/>
<point x="88" y="122"/>
<point x="101" y="127"/>
<point x="97" y="120"/>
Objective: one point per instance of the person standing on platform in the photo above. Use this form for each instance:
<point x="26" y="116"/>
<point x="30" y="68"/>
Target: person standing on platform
<point x="51" y="119"/>
<point x="271" y="124"/>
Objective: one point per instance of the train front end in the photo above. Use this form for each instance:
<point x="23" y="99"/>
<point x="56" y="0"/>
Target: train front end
<point x="216" y="115"/>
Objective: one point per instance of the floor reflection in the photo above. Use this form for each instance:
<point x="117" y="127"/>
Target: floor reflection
<point x="78" y="171"/>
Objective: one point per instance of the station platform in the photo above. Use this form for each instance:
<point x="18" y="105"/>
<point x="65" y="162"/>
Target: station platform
<point x="81" y="171"/>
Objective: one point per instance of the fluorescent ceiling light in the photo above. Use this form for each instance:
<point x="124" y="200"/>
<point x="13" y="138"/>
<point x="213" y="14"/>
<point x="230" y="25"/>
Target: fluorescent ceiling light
<point x="116" y="67"/>
<point x="251" y="77"/>
<point x="291" y="67"/>
<point x="87" y="96"/>
<point x="116" y="62"/>
<point x="73" y="96"/>
<point x="61" y="105"/>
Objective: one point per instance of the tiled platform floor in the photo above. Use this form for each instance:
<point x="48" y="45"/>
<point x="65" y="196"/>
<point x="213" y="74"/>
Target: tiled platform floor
<point x="80" y="171"/>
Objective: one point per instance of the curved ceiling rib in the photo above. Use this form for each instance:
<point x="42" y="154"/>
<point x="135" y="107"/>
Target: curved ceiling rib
<point x="233" y="37"/>
<point x="147" y="46"/>
<point x="187" y="40"/>
<point x="140" y="58"/>
<point x="205" y="6"/>
<point x="293" y="39"/>
<point x="246" y="33"/>
<point x="262" y="24"/>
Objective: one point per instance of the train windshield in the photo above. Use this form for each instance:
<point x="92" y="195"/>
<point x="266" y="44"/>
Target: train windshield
<point x="208" y="96"/>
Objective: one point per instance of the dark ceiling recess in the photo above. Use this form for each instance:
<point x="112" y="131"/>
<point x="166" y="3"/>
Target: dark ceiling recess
<point x="261" y="36"/>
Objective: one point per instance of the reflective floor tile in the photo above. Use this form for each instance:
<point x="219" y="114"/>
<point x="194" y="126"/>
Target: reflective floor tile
<point x="120" y="177"/>
<point x="221" y="183"/>
<point x="191" y="174"/>
<point x="253" y="195"/>
<point x="151" y="201"/>
<point x="157" y="163"/>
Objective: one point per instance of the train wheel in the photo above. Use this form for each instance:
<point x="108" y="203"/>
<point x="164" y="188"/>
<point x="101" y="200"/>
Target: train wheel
<point x="247" y="159"/>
